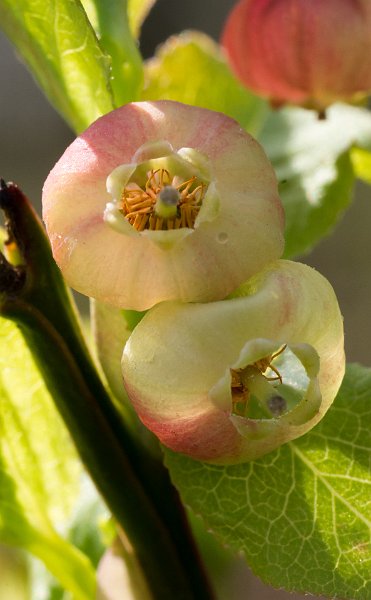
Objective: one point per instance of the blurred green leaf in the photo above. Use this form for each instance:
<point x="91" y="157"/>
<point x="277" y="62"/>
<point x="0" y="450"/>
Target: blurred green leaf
<point x="137" y="12"/>
<point x="59" y="46"/>
<point x="90" y="520"/>
<point x="84" y="531"/>
<point x="43" y="586"/>
<point x="111" y="331"/>
<point x="14" y="574"/>
<point x="3" y="238"/>
<point x="191" y="69"/>
<point x="361" y="160"/>
<point x="300" y="514"/>
<point x="312" y="162"/>
<point x="111" y="23"/>
<point x="39" y="471"/>
<point x="111" y="328"/>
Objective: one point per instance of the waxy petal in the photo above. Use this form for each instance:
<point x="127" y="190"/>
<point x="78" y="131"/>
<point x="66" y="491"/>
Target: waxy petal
<point x="226" y="246"/>
<point x="181" y="387"/>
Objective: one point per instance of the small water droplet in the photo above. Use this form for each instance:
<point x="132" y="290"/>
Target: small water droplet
<point x="222" y="237"/>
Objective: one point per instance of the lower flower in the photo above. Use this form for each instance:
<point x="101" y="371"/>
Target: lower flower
<point x="230" y="381"/>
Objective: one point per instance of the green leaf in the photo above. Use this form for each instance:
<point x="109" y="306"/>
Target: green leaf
<point x="90" y="517"/>
<point x="301" y="514"/>
<point x="111" y="23"/>
<point x="84" y="531"/>
<point x="361" y="160"/>
<point x="39" y="471"/>
<point x="137" y="12"/>
<point x="111" y="331"/>
<point x="14" y="574"/>
<point x="59" y="46"/>
<point x="191" y="69"/>
<point x="312" y="162"/>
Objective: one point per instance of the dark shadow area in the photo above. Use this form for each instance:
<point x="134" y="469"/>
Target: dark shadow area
<point x="169" y="17"/>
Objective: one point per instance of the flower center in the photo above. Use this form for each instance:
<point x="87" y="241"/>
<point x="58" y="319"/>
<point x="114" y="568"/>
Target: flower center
<point x="243" y="383"/>
<point x="164" y="202"/>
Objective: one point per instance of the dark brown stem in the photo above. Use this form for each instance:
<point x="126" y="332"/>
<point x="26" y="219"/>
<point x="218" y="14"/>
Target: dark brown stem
<point x="134" y="483"/>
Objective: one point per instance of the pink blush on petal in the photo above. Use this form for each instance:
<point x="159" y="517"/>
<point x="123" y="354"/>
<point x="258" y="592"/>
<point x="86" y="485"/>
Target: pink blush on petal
<point x="205" y="437"/>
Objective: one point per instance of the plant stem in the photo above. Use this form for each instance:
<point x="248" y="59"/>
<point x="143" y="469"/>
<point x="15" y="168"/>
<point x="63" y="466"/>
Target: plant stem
<point x="135" y="485"/>
<point x="116" y="39"/>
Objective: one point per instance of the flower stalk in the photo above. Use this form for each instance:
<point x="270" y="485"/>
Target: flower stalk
<point x="135" y="485"/>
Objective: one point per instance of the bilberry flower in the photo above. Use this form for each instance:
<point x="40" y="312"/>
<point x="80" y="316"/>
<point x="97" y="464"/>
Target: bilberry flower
<point x="162" y="201"/>
<point x="235" y="379"/>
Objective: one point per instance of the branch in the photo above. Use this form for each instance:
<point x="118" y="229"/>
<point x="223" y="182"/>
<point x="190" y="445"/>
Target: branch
<point x="134" y="484"/>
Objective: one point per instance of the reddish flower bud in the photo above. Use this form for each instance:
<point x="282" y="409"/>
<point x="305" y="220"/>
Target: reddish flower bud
<point x="311" y="53"/>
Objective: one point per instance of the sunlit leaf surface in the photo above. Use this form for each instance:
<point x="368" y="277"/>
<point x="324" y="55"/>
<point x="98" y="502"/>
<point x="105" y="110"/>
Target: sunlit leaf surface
<point x="39" y="470"/>
<point x="191" y="69"/>
<point x="60" y="48"/>
<point x="88" y="531"/>
<point x="110" y="21"/>
<point x="137" y="12"/>
<point x="301" y="515"/>
<point x="361" y="160"/>
<point x="312" y="162"/>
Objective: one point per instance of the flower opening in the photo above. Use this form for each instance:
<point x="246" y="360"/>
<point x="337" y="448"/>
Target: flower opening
<point x="244" y="380"/>
<point x="162" y="202"/>
<point x="160" y="194"/>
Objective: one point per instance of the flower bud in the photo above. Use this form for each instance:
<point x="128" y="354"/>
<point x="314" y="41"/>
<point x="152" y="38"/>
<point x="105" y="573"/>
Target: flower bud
<point x="311" y="53"/>
<point x="229" y="381"/>
<point x="159" y="201"/>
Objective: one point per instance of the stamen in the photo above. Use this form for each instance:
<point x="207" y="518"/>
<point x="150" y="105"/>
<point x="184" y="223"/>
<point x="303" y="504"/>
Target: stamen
<point x="162" y="203"/>
<point x="240" y="380"/>
<point x="266" y="363"/>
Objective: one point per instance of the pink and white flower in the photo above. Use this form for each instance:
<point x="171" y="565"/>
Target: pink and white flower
<point x="159" y="201"/>
<point x="235" y="379"/>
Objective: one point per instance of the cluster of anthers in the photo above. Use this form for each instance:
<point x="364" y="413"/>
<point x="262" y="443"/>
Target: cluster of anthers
<point x="164" y="202"/>
<point x="240" y="377"/>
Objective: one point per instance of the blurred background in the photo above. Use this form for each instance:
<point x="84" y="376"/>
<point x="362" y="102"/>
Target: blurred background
<point x="32" y="138"/>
